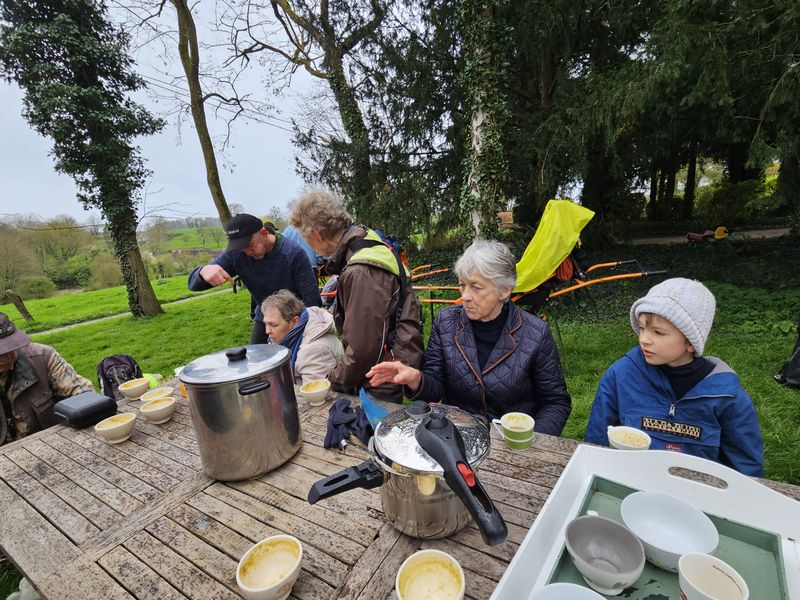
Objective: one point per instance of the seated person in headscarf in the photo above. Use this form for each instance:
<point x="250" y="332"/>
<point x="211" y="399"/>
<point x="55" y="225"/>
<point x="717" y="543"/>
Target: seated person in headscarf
<point x="309" y="332"/>
<point x="33" y="377"/>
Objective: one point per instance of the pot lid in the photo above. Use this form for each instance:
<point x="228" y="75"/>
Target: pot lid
<point x="235" y="364"/>
<point x="395" y="440"/>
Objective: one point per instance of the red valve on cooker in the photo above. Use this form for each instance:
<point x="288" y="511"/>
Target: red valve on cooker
<point x="467" y="474"/>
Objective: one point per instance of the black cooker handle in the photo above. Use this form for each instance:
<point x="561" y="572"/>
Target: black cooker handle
<point x="437" y="435"/>
<point x="367" y="475"/>
<point x="253" y="388"/>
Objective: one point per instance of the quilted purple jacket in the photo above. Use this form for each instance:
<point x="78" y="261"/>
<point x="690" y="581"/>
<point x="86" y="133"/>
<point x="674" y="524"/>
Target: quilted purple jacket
<point x="522" y="374"/>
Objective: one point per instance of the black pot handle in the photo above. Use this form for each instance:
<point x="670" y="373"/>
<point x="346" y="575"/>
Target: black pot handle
<point x="441" y="439"/>
<point x="367" y="475"/>
<point x="253" y="388"/>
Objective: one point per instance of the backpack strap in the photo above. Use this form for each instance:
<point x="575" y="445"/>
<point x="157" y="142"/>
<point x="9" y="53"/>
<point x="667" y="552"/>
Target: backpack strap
<point x="357" y="244"/>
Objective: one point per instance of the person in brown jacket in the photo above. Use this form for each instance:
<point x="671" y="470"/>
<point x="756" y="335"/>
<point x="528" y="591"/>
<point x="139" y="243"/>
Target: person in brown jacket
<point x="376" y="312"/>
<point x="33" y="377"/>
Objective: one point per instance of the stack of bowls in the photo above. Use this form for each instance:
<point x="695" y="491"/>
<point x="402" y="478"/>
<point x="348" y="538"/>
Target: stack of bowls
<point x="659" y="527"/>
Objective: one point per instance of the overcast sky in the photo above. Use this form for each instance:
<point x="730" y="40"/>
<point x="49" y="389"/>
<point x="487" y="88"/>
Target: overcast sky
<point x="258" y="170"/>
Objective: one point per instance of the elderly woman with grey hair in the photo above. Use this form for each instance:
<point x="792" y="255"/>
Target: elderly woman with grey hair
<point x="486" y="355"/>
<point x="375" y="311"/>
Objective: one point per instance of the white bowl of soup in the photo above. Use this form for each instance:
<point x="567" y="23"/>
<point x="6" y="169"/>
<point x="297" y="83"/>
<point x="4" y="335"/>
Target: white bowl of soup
<point x="159" y="410"/>
<point x="316" y="391"/>
<point x="269" y="570"/>
<point x="623" y="437"/>
<point x="116" y="429"/>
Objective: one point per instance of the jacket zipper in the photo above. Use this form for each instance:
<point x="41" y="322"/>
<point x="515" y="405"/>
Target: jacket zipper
<point x="673" y="404"/>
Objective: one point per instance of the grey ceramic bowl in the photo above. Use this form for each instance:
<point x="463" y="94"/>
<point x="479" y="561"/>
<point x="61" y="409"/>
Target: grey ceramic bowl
<point x="608" y="555"/>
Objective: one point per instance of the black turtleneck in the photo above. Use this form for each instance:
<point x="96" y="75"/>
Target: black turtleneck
<point x="487" y="333"/>
<point x="684" y="378"/>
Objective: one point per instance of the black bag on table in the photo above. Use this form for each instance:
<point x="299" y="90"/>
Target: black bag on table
<point x="116" y="369"/>
<point x="83" y="410"/>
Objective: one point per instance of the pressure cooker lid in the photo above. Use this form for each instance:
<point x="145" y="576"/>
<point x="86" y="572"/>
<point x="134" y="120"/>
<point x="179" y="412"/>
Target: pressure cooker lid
<point x="235" y="364"/>
<point x="395" y="440"/>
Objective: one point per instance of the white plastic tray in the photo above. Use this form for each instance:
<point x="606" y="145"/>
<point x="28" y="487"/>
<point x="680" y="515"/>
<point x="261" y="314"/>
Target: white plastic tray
<point x="743" y="500"/>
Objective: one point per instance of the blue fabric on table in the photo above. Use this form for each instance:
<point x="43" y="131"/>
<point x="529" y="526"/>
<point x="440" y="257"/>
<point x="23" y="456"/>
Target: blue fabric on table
<point x="343" y="420"/>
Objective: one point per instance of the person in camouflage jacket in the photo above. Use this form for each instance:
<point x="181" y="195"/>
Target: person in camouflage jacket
<point x="33" y="378"/>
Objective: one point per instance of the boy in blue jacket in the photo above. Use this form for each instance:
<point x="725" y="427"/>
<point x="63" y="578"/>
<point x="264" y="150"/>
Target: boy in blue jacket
<point x="665" y="386"/>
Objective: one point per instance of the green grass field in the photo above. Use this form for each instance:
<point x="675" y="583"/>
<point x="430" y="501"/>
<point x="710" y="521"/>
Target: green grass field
<point x="184" y="332"/>
<point x="180" y="239"/>
<point x="58" y="311"/>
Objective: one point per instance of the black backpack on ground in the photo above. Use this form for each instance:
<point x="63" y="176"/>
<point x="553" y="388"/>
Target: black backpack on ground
<point x="790" y="372"/>
<point x="116" y="369"/>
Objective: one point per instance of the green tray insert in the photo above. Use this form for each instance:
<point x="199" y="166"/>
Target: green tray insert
<point x="754" y="553"/>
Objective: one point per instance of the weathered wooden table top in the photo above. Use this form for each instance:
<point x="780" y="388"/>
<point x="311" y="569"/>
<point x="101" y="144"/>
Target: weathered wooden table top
<point x="82" y="518"/>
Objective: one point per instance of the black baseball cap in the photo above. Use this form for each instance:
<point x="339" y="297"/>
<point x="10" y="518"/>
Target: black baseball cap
<point x="11" y="338"/>
<point x="240" y="229"/>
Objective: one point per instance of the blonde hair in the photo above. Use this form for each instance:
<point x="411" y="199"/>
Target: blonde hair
<point x="285" y="302"/>
<point x="319" y="210"/>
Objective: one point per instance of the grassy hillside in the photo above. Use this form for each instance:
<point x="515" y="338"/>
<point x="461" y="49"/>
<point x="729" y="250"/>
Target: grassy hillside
<point x="196" y="238"/>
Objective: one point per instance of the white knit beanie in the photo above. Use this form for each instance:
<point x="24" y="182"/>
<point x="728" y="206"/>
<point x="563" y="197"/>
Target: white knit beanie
<point x="685" y="303"/>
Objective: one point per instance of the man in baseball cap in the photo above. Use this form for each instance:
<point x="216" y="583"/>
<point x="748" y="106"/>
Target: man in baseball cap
<point x="265" y="261"/>
<point x="33" y="378"/>
<point x="240" y="230"/>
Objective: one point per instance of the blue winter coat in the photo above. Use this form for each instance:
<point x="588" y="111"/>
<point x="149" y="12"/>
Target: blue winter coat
<point x="716" y="419"/>
<point x="522" y="374"/>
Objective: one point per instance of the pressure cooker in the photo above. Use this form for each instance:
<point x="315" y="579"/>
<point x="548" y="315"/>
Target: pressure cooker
<point x="243" y="409"/>
<point x="424" y="460"/>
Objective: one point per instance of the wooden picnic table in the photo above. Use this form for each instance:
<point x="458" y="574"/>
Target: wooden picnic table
<point x="84" y="519"/>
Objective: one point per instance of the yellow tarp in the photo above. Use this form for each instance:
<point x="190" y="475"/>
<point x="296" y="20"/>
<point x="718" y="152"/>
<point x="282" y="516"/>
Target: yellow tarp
<point x="556" y="236"/>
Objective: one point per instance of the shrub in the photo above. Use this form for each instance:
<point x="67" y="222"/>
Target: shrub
<point x="105" y="272"/>
<point x="161" y="267"/>
<point x="186" y="262"/>
<point x="71" y="273"/>
<point x="35" y="286"/>
<point x="728" y="203"/>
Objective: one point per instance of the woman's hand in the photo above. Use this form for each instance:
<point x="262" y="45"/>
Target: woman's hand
<point x="394" y="372"/>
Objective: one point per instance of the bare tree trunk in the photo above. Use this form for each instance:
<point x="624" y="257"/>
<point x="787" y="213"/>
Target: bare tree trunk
<point x="669" y="193"/>
<point x="653" y="200"/>
<point x="691" y="176"/>
<point x="141" y="297"/>
<point x="483" y="193"/>
<point x="16" y="300"/>
<point x="190" y="59"/>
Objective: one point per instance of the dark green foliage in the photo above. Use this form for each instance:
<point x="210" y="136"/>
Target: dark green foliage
<point x="73" y="272"/>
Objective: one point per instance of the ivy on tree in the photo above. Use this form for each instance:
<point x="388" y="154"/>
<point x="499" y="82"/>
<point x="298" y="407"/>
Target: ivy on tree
<point x="73" y="67"/>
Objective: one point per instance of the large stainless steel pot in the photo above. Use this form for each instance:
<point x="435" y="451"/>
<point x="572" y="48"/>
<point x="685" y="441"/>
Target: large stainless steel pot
<point x="425" y="458"/>
<point x="244" y="410"/>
